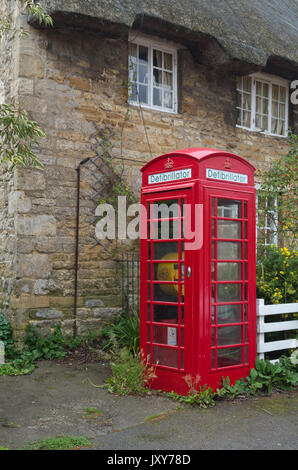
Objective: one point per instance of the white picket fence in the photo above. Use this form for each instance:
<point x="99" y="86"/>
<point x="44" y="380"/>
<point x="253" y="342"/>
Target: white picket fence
<point x="262" y="327"/>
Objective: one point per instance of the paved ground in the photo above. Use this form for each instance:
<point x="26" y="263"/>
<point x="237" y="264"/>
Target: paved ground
<point x="52" y="401"/>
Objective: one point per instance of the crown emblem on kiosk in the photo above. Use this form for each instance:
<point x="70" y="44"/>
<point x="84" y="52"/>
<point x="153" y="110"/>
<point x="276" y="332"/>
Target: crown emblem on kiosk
<point x="228" y="163"/>
<point x="169" y="163"/>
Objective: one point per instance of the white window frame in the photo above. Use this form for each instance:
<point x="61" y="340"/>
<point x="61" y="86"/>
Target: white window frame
<point x="163" y="46"/>
<point x="269" y="226"/>
<point x="270" y="80"/>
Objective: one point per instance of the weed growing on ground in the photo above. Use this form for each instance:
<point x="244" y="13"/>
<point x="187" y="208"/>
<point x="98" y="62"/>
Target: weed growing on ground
<point x="131" y="374"/>
<point x="59" y="443"/>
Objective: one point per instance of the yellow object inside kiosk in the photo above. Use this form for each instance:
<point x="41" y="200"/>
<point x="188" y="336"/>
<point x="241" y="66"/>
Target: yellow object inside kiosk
<point x="170" y="272"/>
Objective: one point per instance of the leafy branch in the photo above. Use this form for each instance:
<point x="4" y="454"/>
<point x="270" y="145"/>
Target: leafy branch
<point x="17" y="135"/>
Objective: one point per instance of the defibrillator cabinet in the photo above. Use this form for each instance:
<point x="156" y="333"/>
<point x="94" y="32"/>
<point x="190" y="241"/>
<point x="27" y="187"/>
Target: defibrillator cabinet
<point x="198" y="268"/>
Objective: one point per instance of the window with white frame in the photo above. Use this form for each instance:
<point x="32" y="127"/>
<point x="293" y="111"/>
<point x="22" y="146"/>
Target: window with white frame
<point x="263" y="104"/>
<point x="267" y="220"/>
<point x="152" y="75"/>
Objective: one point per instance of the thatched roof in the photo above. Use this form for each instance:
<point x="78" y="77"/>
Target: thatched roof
<point x="258" y="33"/>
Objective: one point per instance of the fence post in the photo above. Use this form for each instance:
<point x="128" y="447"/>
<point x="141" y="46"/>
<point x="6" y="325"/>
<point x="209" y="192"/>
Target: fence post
<point x="260" y="327"/>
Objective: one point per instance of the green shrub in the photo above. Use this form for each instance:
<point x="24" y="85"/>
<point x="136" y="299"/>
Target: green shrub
<point x="122" y="332"/>
<point x="6" y="337"/>
<point x="52" y="346"/>
<point x="277" y="275"/>
<point x="131" y="375"/>
<point x="262" y="378"/>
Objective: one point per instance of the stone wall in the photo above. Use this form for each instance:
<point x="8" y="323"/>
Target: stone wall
<point x="68" y="81"/>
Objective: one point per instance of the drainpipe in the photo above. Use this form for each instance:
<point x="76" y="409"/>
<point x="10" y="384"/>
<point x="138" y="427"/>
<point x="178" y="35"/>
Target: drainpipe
<point x="78" y="170"/>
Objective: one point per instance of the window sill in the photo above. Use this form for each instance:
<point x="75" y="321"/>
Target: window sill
<point x="249" y="129"/>
<point x="151" y="108"/>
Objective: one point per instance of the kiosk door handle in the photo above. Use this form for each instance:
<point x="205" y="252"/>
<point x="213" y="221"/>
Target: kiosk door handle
<point x="188" y="272"/>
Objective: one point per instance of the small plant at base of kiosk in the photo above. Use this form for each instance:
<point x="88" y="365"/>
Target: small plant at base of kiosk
<point x="282" y="374"/>
<point x="131" y="374"/>
<point x="202" y="397"/>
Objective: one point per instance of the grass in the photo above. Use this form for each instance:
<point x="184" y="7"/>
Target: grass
<point x="60" y="443"/>
<point x="93" y="413"/>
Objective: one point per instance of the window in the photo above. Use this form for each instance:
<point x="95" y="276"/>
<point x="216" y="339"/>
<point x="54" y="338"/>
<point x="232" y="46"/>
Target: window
<point x="263" y="104"/>
<point x="267" y="220"/>
<point x="153" y="75"/>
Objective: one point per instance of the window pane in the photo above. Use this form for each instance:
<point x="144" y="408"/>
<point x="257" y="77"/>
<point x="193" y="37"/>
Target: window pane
<point x="168" y="81"/>
<point x="229" y="292"/>
<point x="247" y="84"/>
<point x="165" y="292"/>
<point x="229" y="357"/>
<point x="157" y="77"/>
<point x="168" y="100"/>
<point x="229" y="208"/>
<point x="169" y="249"/>
<point x="165" y="356"/>
<point x="229" y="271"/>
<point x="157" y="96"/>
<point x="229" y="250"/>
<point x="143" y="55"/>
<point x="275" y="92"/>
<point x="157" y="58"/>
<point x="165" y="209"/>
<point x="143" y="74"/>
<point x="165" y="313"/>
<point x="143" y="94"/>
<point x="168" y="61"/>
<point x="165" y="335"/>
<point x="229" y="335"/>
<point x="283" y="94"/>
<point x="229" y="314"/>
<point x="228" y="229"/>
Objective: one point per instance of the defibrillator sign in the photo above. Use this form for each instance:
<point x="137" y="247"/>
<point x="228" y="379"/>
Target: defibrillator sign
<point x="169" y="176"/>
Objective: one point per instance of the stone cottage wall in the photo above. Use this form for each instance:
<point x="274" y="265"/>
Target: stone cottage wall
<point x="68" y="82"/>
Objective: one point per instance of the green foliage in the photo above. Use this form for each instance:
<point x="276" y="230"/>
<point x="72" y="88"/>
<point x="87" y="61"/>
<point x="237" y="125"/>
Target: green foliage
<point x="131" y="375"/>
<point x="262" y="378"/>
<point x="203" y="398"/>
<point x="59" y="443"/>
<point x="122" y="332"/>
<point x="277" y="275"/>
<point x="6" y="337"/>
<point x="231" y="391"/>
<point x="37" y="11"/>
<point x="280" y="183"/>
<point x="21" y="361"/>
<point x="17" y="135"/>
<point x="11" y="369"/>
<point x="34" y="9"/>
<point x="52" y="346"/>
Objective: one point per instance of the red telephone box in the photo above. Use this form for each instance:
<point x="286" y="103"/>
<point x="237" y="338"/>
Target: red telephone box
<point x="197" y="274"/>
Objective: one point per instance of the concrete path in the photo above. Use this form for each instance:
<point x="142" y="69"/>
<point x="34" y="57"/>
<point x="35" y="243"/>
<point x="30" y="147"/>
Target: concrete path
<point x="52" y="401"/>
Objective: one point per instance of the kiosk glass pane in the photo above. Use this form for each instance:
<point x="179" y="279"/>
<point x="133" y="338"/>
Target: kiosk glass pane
<point x="229" y="208"/>
<point x="228" y="249"/>
<point x="165" y="318"/>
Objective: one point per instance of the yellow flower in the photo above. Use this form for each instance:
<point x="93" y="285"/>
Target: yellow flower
<point x="281" y="272"/>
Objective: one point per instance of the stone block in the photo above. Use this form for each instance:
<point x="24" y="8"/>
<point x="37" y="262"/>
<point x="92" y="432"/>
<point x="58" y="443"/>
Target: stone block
<point x="48" y="314"/>
<point x="31" y="67"/>
<point x="43" y="225"/>
<point x="18" y="202"/>
<point x="29" y="180"/>
<point x="34" y="265"/>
